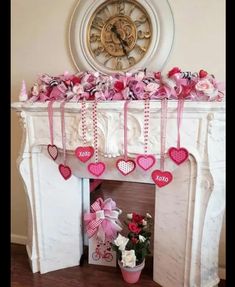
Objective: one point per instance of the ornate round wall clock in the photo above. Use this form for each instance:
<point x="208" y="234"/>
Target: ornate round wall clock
<point x="120" y="35"/>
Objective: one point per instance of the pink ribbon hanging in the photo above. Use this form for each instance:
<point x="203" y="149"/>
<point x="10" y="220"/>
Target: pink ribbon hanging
<point x="103" y="221"/>
<point x="179" y="154"/>
<point x="63" y="168"/>
<point x="51" y="148"/>
<point x="160" y="176"/>
<point x="125" y="165"/>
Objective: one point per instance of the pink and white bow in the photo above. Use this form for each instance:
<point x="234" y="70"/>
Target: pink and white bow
<point x="103" y="221"/>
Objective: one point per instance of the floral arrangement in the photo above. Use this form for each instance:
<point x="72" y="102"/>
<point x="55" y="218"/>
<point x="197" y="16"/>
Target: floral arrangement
<point x="136" y="85"/>
<point x="131" y="250"/>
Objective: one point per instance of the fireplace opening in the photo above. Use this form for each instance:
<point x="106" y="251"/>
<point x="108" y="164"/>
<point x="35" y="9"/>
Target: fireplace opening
<point x="129" y="197"/>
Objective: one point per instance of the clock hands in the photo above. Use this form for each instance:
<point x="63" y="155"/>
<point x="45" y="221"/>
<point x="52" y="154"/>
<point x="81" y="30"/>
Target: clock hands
<point x="122" y="42"/>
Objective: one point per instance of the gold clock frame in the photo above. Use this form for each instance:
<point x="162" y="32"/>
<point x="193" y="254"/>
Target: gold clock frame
<point x="115" y="48"/>
<point x="163" y="29"/>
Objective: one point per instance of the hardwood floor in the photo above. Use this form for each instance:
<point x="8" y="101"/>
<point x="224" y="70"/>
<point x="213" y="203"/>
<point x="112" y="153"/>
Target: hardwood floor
<point x="129" y="197"/>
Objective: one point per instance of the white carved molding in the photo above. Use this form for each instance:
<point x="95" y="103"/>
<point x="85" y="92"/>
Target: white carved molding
<point x="188" y="212"/>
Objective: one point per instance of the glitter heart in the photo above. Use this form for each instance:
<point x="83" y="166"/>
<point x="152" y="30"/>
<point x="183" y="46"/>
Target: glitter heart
<point x="178" y="155"/>
<point x="65" y="171"/>
<point x="53" y="151"/>
<point x="145" y="161"/>
<point x="125" y="166"/>
<point x="84" y="153"/>
<point x="96" y="168"/>
<point x="161" y="178"/>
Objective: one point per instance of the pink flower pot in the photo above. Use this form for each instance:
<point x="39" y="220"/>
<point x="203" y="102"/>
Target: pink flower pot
<point x="131" y="274"/>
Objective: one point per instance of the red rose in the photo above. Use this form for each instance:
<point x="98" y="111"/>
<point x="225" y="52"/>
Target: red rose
<point x="136" y="217"/>
<point x="118" y="86"/>
<point x="133" y="227"/>
<point x="173" y="71"/>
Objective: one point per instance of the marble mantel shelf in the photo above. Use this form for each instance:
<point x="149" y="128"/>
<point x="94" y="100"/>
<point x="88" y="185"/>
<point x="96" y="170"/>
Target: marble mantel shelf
<point x="188" y="212"/>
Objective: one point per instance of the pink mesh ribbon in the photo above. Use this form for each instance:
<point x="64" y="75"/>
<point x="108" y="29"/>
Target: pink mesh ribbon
<point x="103" y="221"/>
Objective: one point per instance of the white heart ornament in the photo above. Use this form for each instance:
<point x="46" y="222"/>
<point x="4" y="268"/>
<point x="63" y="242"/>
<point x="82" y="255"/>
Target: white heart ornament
<point x="125" y="166"/>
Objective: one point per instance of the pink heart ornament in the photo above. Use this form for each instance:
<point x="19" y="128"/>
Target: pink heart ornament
<point x="53" y="151"/>
<point x="96" y="168"/>
<point x="84" y="153"/>
<point x="161" y="178"/>
<point x="178" y="155"/>
<point x="65" y="171"/>
<point x="145" y="161"/>
<point x="125" y="166"/>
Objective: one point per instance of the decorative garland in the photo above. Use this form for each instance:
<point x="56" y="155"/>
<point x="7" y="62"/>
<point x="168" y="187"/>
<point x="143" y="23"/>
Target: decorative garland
<point x="137" y="85"/>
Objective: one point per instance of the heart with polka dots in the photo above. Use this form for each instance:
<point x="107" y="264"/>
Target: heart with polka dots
<point x="125" y="166"/>
<point x="178" y="155"/>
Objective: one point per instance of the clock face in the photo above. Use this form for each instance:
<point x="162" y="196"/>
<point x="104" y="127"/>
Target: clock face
<point x="119" y="34"/>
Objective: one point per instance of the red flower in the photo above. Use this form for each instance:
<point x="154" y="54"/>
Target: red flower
<point x="133" y="227"/>
<point x="173" y="71"/>
<point x="136" y="217"/>
<point x="118" y="86"/>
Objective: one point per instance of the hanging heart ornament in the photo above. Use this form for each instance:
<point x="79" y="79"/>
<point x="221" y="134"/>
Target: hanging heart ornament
<point x="96" y="168"/>
<point x="161" y="178"/>
<point x="178" y="155"/>
<point x="125" y="166"/>
<point x="53" y="151"/>
<point x="84" y="153"/>
<point x="65" y="171"/>
<point x="145" y="161"/>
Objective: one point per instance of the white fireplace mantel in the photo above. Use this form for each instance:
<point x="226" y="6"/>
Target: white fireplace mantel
<point x="188" y="211"/>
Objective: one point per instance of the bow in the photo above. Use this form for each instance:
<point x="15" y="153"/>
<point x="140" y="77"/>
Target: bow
<point x="103" y="220"/>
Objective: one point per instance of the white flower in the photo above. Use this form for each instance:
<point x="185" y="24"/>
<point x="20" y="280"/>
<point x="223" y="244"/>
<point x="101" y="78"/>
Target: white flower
<point x="148" y="215"/>
<point x="121" y="242"/>
<point x="205" y="86"/>
<point x="142" y="238"/>
<point x="128" y="258"/>
<point x="144" y="222"/>
<point x="129" y="215"/>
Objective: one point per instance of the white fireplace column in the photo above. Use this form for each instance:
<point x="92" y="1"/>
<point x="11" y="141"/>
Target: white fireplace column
<point x="188" y="211"/>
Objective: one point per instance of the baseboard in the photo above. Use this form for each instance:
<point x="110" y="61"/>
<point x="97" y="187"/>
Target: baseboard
<point x="222" y="273"/>
<point x="19" y="239"/>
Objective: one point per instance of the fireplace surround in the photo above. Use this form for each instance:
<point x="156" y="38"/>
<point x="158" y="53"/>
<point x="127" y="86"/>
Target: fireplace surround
<point x="188" y="212"/>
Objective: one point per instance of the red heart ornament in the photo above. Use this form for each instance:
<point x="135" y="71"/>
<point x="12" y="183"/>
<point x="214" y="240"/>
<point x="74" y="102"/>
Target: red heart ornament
<point x="84" y="153"/>
<point x="178" y="155"/>
<point x="53" y="151"/>
<point x="161" y="178"/>
<point x="65" y="171"/>
<point x="96" y="168"/>
<point x="202" y="74"/>
<point x="125" y="166"/>
<point x="145" y="161"/>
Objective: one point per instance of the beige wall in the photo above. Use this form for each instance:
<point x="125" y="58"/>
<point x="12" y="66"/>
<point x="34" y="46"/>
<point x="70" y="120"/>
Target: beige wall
<point x="39" y="44"/>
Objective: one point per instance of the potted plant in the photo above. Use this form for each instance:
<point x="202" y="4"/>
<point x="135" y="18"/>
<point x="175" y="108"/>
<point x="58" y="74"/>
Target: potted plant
<point x="133" y="248"/>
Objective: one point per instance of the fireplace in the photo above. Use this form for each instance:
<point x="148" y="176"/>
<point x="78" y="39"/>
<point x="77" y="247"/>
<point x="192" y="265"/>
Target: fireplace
<point x="188" y="211"/>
